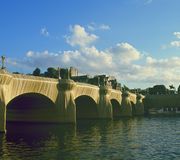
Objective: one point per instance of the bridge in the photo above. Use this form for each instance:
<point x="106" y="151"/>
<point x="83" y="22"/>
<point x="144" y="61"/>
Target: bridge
<point x="38" y="99"/>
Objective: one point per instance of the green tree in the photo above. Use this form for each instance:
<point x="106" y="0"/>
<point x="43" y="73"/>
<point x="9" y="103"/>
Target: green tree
<point x="64" y="73"/>
<point x="37" y="72"/>
<point x="159" y="89"/>
<point x="125" y="88"/>
<point x="51" y="72"/>
<point x="16" y="73"/>
<point x="179" y="89"/>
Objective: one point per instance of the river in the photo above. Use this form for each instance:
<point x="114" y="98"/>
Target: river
<point x="142" y="138"/>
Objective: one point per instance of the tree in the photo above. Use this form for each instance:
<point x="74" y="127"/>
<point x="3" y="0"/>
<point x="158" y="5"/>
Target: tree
<point x="159" y="89"/>
<point x="51" y="72"/>
<point x="125" y="88"/>
<point x="16" y="73"/>
<point x="171" y="87"/>
<point x="37" y="72"/>
<point x="179" y="89"/>
<point x="64" y="73"/>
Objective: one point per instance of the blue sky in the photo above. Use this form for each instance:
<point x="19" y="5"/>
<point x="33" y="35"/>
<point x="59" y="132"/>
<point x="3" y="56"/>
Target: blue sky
<point x="138" y="41"/>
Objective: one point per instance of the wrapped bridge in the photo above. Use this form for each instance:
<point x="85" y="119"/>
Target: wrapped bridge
<point x="38" y="99"/>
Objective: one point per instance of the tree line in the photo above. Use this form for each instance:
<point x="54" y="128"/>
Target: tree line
<point x="51" y="72"/>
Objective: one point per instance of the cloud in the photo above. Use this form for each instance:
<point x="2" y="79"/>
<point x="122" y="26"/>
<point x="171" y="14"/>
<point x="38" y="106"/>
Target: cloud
<point x="125" y="52"/>
<point x="177" y="34"/>
<point x="167" y="69"/>
<point x="86" y="59"/>
<point x="104" y="27"/>
<point x="93" y="26"/>
<point x="44" y="32"/>
<point x="175" y="43"/>
<point x="148" y="2"/>
<point x="117" y="60"/>
<point x="79" y="37"/>
<point x="30" y="54"/>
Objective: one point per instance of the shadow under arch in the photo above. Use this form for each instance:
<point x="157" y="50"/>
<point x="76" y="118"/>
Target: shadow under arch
<point x="30" y="107"/>
<point x="86" y="108"/>
<point x="116" y="107"/>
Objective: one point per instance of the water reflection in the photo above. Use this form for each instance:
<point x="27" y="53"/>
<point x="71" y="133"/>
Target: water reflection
<point x="133" y="138"/>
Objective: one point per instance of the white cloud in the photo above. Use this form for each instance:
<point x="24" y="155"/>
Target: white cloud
<point x="104" y="27"/>
<point x="125" y="52"/>
<point x="79" y="37"/>
<point x="167" y="70"/>
<point x="117" y="60"/>
<point x="44" y="32"/>
<point x="177" y="34"/>
<point x="93" y="26"/>
<point x="148" y="2"/>
<point x="175" y="43"/>
<point x="30" y="54"/>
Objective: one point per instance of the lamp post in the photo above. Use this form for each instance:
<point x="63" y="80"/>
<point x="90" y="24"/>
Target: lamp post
<point x="58" y="73"/>
<point x="3" y="61"/>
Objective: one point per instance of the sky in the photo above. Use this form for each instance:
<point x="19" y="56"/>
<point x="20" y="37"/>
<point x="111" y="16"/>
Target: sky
<point x="137" y="41"/>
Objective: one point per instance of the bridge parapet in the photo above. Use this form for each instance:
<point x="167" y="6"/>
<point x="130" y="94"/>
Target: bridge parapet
<point x="35" y="78"/>
<point x="5" y="77"/>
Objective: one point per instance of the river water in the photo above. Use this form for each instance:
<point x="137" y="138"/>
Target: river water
<point x="151" y="138"/>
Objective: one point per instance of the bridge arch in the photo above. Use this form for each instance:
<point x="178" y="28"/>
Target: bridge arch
<point x="116" y="108"/>
<point x="86" y="107"/>
<point x="30" y="107"/>
<point x="83" y="89"/>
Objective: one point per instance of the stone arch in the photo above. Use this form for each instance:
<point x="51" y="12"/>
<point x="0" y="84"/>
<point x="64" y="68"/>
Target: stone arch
<point x="86" y="107"/>
<point x="86" y="90"/>
<point x="116" y="107"/>
<point x="30" y="107"/>
<point x="52" y="96"/>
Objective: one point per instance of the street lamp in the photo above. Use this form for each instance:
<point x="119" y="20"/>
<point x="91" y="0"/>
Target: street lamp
<point x="58" y="73"/>
<point x="3" y="61"/>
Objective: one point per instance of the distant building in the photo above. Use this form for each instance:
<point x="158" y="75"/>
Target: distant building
<point x="82" y="79"/>
<point x="73" y="72"/>
<point x="98" y="80"/>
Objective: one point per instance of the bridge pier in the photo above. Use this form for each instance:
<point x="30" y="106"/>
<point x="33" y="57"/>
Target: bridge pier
<point x="139" y="107"/>
<point x="105" y="106"/>
<point x="126" y="105"/>
<point x="65" y="102"/>
<point x="2" y="117"/>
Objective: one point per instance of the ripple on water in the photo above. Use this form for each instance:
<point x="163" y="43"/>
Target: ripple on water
<point x="127" y="139"/>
